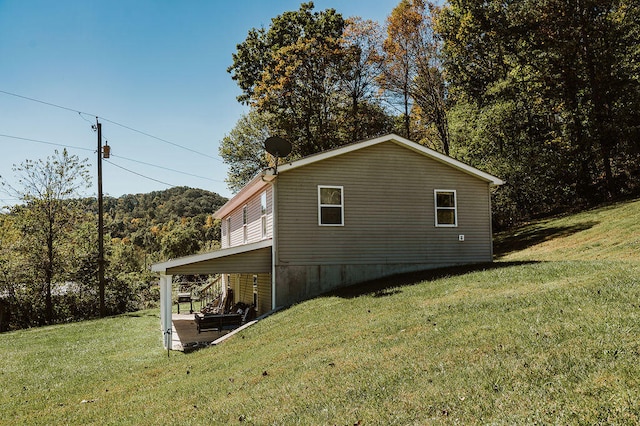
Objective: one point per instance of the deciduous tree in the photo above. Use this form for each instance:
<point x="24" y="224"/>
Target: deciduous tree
<point x="243" y="149"/>
<point x="413" y="72"/>
<point x="555" y="79"/>
<point x="47" y="187"/>
<point x="309" y="77"/>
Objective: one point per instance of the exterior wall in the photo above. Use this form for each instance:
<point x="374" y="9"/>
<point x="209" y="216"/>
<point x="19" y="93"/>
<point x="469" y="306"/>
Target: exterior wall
<point x="389" y="220"/>
<point x="254" y="225"/>
<point x="242" y="285"/>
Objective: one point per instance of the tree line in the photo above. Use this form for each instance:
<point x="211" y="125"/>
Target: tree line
<point x="544" y="94"/>
<point x="48" y="243"/>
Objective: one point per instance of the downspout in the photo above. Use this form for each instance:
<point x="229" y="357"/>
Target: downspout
<point x="274" y="239"/>
<point x="490" y="224"/>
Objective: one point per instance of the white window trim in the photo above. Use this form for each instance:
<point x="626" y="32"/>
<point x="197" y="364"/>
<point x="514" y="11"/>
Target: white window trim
<point x="228" y="234"/>
<point x="245" y="222"/>
<point x="454" y="208"/>
<point x="263" y="214"/>
<point x="320" y="205"/>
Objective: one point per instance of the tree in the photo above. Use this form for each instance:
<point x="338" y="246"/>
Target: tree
<point x="364" y="61"/>
<point x="46" y="188"/>
<point x="243" y="149"/>
<point x="291" y="71"/>
<point x="413" y="72"/>
<point x="302" y="73"/>
<point x="400" y="55"/>
<point x="555" y="81"/>
<point x="429" y="89"/>
<point x="301" y="87"/>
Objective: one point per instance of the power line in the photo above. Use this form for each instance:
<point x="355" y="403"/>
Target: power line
<point x="138" y="174"/>
<point x="112" y="122"/>
<point x="45" y="142"/>
<point x="113" y="155"/>
<point x="41" y="102"/>
<point x="160" y="139"/>
<point x="165" y="168"/>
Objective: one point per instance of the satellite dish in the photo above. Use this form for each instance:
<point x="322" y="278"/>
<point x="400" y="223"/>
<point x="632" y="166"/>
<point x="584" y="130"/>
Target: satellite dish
<point x="277" y="146"/>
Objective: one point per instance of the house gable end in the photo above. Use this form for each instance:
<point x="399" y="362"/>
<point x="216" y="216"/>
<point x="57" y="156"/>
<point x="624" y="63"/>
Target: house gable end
<point x="401" y="142"/>
<point x="389" y="211"/>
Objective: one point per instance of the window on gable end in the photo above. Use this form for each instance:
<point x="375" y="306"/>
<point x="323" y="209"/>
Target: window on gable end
<point x="446" y="207"/>
<point x="330" y="205"/>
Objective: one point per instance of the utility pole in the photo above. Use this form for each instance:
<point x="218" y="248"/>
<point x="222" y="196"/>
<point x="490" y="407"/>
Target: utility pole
<point x="103" y="310"/>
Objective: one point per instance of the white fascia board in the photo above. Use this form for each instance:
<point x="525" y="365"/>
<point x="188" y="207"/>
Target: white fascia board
<point x="400" y="141"/>
<point x="247" y="191"/>
<point x="263" y="178"/>
<point x="334" y="152"/>
<point x="186" y="260"/>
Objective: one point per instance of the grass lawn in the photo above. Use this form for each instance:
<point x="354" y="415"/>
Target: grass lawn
<point x="547" y="334"/>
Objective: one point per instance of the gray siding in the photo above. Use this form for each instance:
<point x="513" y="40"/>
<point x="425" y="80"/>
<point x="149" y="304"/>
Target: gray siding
<point x="264" y="293"/>
<point x="389" y="219"/>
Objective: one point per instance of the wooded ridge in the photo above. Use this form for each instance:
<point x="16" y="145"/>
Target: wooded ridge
<point x="139" y="229"/>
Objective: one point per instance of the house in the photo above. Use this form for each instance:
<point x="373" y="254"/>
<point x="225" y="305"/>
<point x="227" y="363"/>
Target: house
<point x="375" y="208"/>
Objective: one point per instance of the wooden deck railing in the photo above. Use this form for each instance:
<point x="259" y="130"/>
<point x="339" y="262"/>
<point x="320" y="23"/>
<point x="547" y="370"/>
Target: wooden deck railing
<point x="203" y="292"/>
<point x="210" y="291"/>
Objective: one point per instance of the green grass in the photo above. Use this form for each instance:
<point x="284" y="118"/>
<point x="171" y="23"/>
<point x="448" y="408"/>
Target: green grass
<point x="547" y="335"/>
<point x="611" y="233"/>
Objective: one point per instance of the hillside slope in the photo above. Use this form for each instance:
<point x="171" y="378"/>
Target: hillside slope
<point x="611" y="232"/>
<point x="521" y="341"/>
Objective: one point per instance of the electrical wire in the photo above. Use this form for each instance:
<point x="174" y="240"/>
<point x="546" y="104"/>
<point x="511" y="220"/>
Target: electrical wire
<point x="139" y="174"/>
<point x="46" y="143"/>
<point x="41" y="102"/>
<point x="112" y="122"/>
<point x="115" y="156"/>
<point x="165" y="168"/>
<point x="160" y="139"/>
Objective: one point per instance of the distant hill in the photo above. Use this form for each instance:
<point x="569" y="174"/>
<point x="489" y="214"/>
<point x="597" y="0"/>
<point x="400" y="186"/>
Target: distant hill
<point x="146" y="220"/>
<point x="164" y="206"/>
<point x="139" y="230"/>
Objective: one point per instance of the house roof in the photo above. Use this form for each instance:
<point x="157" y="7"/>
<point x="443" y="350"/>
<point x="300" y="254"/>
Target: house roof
<point x="262" y="179"/>
<point x="247" y="258"/>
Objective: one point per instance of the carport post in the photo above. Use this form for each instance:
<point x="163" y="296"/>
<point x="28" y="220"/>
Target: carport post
<point x="165" y="308"/>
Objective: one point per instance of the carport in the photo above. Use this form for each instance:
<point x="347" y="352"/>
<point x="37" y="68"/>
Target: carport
<point x="254" y="258"/>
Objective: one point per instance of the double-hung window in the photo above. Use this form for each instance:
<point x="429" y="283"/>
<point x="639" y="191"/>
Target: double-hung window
<point x="263" y="213"/>
<point x="228" y="232"/>
<point x="330" y="205"/>
<point x="446" y="207"/>
<point x="245" y="221"/>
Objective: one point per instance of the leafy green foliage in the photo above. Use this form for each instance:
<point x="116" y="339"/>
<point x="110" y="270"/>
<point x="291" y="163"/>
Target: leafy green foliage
<point x="140" y="229"/>
<point x="309" y="78"/>
<point x="243" y="150"/>
<point x="45" y="220"/>
<point x="296" y="83"/>
<point x="546" y="97"/>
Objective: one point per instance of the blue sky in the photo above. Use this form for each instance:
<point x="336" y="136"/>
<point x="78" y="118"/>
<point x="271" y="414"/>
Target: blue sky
<point x="158" y="67"/>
